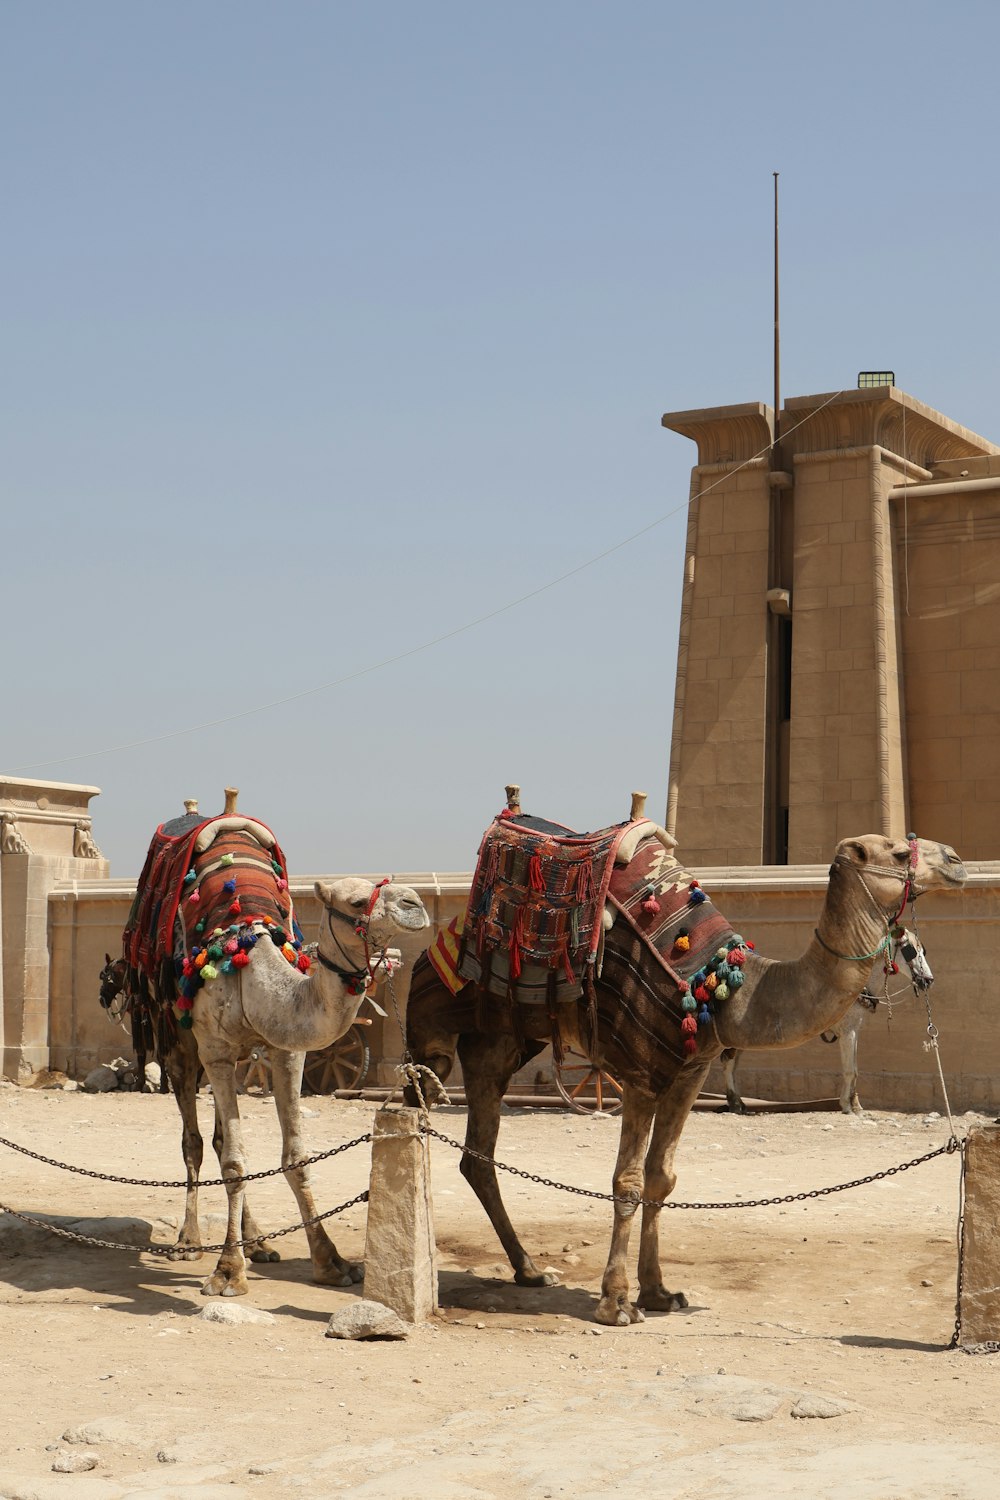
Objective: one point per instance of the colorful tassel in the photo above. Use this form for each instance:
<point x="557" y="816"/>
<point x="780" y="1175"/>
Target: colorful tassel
<point x="690" y="1045"/>
<point x="235" y="908"/>
<point x="191" y="875"/>
<point x="194" y="898"/>
<point x="209" y="972"/>
<point x="697" y="895"/>
<point x="241" y="959"/>
<point x="689" y="1025"/>
<point x="229" y="887"/>
<point x="704" y="1016"/>
<point x="536" y="880"/>
<point x="304" y="963"/>
<point x="682" y="941"/>
<point x="651" y="905"/>
<point x="227" y="859"/>
<point x="231" y="947"/>
<point x="689" y="1003"/>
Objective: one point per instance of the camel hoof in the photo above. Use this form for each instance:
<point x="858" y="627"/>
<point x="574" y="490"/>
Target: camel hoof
<point x="658" y="1299"/>
<point x="225" y="1286"/>
<point x="347" y="1273"/>
<point x="185" y="1252"/>
<point x="618" y="1312"/>
<point x="263" y="1254"/>
<point x="535" y="1278"/>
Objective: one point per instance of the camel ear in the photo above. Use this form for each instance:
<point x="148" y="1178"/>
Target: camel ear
<point x="324" y="892"/>
<point x="855" y="850"/>
<point x="107" y="959"/>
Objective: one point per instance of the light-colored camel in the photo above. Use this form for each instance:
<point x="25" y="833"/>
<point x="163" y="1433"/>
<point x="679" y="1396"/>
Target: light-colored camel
<point x="845" y="1034"/>
<point x="780" y="1004"/>
<point x="268" y="1001"/>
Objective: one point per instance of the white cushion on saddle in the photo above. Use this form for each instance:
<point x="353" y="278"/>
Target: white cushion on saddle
<point x="233" y="825"/>
<point x="633" y="838"/>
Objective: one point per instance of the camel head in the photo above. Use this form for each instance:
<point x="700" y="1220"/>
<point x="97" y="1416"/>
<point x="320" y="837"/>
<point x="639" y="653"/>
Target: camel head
<point x="385" y="910"/>
<point x="886" y="865"/>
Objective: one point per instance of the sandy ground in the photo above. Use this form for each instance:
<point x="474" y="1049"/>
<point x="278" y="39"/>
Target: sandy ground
<point x="813" y="1360"/>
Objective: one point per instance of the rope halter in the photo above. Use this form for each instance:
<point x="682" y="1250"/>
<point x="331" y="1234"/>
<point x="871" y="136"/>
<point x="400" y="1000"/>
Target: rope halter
<point x="910" y="894"/>
<point x="358" y="976"/>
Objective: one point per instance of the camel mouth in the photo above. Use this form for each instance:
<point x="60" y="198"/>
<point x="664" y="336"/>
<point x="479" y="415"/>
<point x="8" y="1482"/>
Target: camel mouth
<point x="414" y="919"/>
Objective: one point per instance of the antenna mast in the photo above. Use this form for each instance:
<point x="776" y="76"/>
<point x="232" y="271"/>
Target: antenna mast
<point x="777" y="329"/>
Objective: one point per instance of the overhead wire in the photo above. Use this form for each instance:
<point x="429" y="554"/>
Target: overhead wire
<point x="437" y="640"/>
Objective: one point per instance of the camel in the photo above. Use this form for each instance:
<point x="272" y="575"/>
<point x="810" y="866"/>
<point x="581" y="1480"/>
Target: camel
<point x="272" y="997"/>
<point x="778" y="1004"/>
<point x="846" y="1037"/>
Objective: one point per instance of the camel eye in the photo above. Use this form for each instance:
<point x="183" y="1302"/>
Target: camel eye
<point x="359" y="903"/>
<point x="902" y="856"/>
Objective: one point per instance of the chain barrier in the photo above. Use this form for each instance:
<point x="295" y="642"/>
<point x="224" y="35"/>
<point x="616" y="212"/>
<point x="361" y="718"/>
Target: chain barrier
<point x="950" y="1146"/>
<point x="175" y="1252"/>
<point x="306" y="1161"/>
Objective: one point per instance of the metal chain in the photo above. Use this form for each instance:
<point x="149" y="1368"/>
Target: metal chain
<point x="951" y="1145"/>
<point x="307" y="1161"/>
<point x="173" y="1252"/>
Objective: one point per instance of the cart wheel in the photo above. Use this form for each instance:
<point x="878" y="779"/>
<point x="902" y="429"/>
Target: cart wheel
<point x="585" y="1087"/>
<point x="254" y="1072"/>
<point x="342" y="1065"/>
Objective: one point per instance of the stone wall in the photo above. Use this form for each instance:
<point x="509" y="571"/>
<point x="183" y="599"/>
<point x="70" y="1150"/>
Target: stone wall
<point x="45" y="836"/>
<point x="776" y="907"/>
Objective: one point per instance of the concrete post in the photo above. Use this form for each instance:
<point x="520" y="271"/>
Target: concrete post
<point x="979" y="1304"/>
<point x="400" y="1252"/>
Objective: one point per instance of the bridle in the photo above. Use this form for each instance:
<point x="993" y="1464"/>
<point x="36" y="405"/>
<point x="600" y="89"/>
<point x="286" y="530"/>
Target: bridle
<point x="112" y="984"/>
<point x="357" y="977"/>
<point x="910" y="894"/>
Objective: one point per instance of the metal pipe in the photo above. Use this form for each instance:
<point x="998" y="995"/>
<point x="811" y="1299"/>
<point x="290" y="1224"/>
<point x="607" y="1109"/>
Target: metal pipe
<point x="943" y="487"/>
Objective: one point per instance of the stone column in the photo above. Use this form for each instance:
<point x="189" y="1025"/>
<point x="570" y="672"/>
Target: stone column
<point x="979" y="1305"/>
<point x="400" y="1252"/>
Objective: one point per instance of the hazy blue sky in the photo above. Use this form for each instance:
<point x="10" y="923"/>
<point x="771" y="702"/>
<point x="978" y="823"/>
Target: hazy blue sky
<point x="329" y="328"/>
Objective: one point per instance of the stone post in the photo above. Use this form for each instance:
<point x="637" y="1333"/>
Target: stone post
<point x="400" y="1253"/>
<point x="979" y="1304"/>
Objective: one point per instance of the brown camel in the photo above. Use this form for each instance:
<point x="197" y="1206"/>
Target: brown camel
<point x="779" y="1004"/>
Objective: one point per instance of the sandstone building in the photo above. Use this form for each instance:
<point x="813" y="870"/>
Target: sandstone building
<point x="838" y="663"/>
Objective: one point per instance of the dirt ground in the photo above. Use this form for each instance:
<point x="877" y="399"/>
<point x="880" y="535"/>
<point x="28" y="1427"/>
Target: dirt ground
<point x="813" y="1359"/>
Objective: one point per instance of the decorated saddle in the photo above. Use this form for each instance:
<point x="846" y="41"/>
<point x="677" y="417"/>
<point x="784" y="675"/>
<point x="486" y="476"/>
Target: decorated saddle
<point x="207" y="886"/>
<point x="536" y="931"/>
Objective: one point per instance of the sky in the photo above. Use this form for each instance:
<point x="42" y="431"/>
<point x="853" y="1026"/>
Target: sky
<point x="335" y="343"/>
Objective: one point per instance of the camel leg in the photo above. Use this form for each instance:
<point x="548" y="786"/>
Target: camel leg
<point x="488" y="1064"/>
<point x="614" y="1307"/>
<point x="672" y="1110"/>
<point x="255" y="1246"/>
<point x="229" y="1278"/>
<point x="849" y="1028"/>
<point x="329" y="1268"/>
<point x="181" y="1063"/>
<point x="729" y="1059"/>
